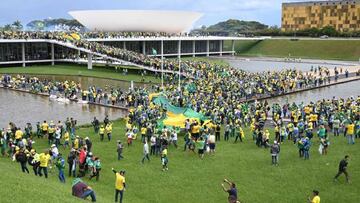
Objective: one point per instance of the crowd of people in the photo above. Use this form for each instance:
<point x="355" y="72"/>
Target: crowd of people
<point x="218" y="92"/>
<point x="300" y="124"/>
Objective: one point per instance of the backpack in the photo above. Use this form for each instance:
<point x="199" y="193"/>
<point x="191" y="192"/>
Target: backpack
<point x="21" y="157"/>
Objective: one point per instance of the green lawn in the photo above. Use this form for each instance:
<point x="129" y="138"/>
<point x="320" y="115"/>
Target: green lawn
<point x="79" y="70"/>
<point x="190" y="179"/>
<point x="311" y="49"/>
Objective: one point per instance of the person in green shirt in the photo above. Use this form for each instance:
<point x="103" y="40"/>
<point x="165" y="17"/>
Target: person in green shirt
<point x="60" y="164"/>
<point x="200" y="144"/>
<point x="96" y="168"/>
<point x="322" y="132"/>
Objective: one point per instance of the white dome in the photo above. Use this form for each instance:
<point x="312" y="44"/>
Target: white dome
<point x="136" y="20"/>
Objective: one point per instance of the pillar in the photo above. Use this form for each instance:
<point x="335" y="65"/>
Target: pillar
<point x="124" y="45"/>
<point x="52" y="54"/>
<point x="144" y="47"/>
<point x="89" y="55"/>
<point x="23" y="54"/>
<point x="221" y="47"/>
<point x="193" y="48"/>
<point x="233" y="47"/>
<point x="179" y="48"/>
<point x="207" y="48"/>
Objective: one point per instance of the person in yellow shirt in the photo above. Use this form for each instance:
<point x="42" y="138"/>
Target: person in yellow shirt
<point x="66" y="139"/>
<point x="44" y="128"/>
<point x="76" y="143"/>
<point x="350" y="129"/>
<point x="18" y="135"/>
<point x="143" y="133"/>
<point x="164" y="159"/>
<point x="44" y="162"/>
<point x="195" y="131"/>
<point x="108" y="129"/>
<point x="101" y="132"/>
<point x="315" y="198"/>
<point x="119" y="184"/>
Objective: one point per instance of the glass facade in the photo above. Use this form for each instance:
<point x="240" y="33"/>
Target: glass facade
<point x="34" y="51"/>
<point x="67" y="53"/>
<point x="200" y="46"/>
<point x="37" y="51"/>
<point x="10" y="52"/>
<point x="186" y="47"/>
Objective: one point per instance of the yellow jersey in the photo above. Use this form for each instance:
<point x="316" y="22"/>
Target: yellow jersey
<point x="18" y="134"/>
<point x="316" y="199"/>
<point x="350" y="129"/>
<point x="44" y="159"/>
<point x="44" y="126"/>
<point x="119" y="183"/>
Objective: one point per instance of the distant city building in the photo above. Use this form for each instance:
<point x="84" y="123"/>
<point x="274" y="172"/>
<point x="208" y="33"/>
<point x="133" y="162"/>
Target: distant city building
<point x="342" y="15"/>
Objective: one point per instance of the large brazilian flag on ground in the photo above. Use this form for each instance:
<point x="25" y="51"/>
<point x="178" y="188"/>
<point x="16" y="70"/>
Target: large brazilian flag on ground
<point x="175" y="116"/>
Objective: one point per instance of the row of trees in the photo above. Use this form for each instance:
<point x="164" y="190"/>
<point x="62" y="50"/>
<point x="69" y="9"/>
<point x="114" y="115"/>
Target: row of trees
<point x="16" y="25"/>
<point x="312" y="32"/>
<point x="40" y="25"/>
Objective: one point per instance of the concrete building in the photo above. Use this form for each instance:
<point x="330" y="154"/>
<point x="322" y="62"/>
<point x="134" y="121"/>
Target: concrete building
<point x="31" y="51"/>
<point x="343" y="15"/>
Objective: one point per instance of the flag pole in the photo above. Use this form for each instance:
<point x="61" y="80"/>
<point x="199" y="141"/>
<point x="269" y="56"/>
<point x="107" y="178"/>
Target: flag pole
<point x="179" y="57"/>
<point x="162" y="64"/>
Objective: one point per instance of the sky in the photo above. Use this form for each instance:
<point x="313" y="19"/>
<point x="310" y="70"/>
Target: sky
<point x="265" y="11"/>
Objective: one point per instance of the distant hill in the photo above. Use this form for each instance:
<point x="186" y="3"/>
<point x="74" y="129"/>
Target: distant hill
<point x="232" y="27"/>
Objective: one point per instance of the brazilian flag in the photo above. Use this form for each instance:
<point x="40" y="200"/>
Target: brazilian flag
<point x="40" y="25"/>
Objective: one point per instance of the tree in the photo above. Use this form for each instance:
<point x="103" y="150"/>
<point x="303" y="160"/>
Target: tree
<point x="329" y="31"/>
<point x="7" y="27"/>
<point x="17" y="25"/>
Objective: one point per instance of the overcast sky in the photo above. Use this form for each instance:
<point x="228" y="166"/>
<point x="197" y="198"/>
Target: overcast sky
<point x="265" y="11"/>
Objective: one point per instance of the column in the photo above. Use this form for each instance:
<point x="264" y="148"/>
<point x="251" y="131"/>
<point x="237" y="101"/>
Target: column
<point x="193" y="48"/>
<point x="23" y="54"/>
<point x="144" y="47"/>
<point x="221" y="47"/>
<point x="179" y="48"/>
<point x="89" y="55"/>
<point x="52" y="54"/>
<point x="207" y="48"/>
<point x="124" y="45"/>
<point x="233" y="47"/>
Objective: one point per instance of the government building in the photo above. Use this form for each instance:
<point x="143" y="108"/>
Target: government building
<point x="30" y="50"/>
<point x="343" y="15"/>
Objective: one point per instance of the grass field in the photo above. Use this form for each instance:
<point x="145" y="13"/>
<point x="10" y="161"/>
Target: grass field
<point x="79" y="70"/>
<point x="310" y="49"/>
<point x="191" y="179"/>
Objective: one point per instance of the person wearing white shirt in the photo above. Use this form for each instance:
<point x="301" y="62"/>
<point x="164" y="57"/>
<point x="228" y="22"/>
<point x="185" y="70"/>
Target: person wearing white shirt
<point x="146" y="152"/>
<point x="174" y="138"/>
<point x="152" y="145"/>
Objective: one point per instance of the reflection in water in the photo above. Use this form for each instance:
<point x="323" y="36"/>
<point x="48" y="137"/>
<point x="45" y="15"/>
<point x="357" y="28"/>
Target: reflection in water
<point x="344" y="90"/>
<point x="260" y="66"/>
<point x="21" y="108"/>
